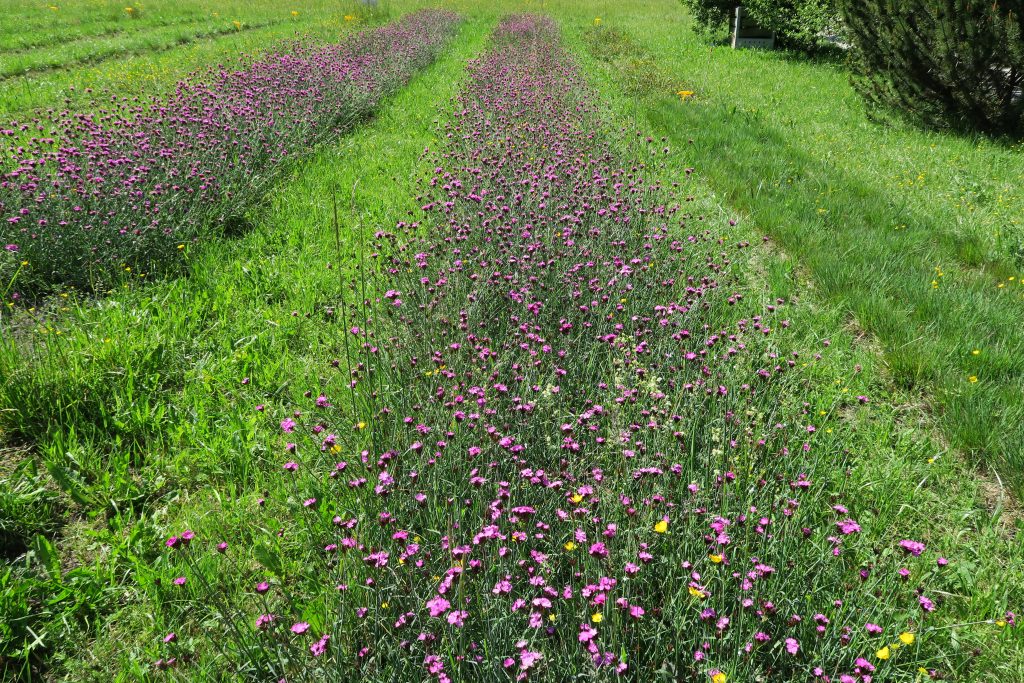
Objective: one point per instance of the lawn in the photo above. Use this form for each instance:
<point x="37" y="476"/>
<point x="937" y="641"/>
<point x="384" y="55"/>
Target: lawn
<point x="863" y="278"/>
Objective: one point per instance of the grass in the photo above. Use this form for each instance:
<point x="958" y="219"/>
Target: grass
<point x="917" y="236"/>
<point x="134" y="412"/>
<point x="52" y="57"/>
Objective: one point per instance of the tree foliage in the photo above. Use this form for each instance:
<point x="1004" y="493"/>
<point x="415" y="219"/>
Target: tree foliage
<point x="946" y="63"/>
<point x="801" y="24"/>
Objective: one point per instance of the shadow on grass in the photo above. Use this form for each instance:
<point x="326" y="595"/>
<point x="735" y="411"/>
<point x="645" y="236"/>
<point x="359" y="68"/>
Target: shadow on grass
<point x="845" y="233"/>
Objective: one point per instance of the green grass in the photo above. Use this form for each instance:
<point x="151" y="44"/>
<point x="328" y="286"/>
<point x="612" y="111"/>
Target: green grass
<point x="132" y="417"/>
<point x="918" y="236"/>
<point x="52" y="58"/>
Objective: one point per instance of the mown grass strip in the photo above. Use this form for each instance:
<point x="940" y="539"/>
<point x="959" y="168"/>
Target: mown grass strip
<point x="95" y="51"/>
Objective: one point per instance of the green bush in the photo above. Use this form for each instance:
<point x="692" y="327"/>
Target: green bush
<point x="800" y="24"/>
<point x="711" y="18"/>
<point x="946" y="63"/>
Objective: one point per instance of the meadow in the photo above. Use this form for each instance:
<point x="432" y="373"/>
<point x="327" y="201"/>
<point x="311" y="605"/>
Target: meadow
<point x="584" y="350"/>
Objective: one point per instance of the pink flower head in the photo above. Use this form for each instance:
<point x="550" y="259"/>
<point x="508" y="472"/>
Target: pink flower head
<point x="848" y="526"/>
<point x="528" y="659"/>
<point x="457" y="618"/>
<point x="320" y="647"/>
<point x="437" y="606"/>
<point x="300" y="627"/>
<point x="914" y="548"/>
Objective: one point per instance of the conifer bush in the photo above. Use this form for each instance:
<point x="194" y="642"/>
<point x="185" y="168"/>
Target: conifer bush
<point x="946" y="63"/>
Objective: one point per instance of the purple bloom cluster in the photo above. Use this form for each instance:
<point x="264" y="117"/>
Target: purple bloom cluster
<point x="87" y="195"/>
<point x="565" y="448"/>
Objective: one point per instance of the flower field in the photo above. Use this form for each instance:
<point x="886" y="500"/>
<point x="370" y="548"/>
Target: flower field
<point x="427" y="354"/>
<point x="125" y="189"/>
<point x="564" y="444"/>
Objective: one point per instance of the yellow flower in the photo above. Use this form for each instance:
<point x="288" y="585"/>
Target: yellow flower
<point x="596" y="617"/>
<point x="718" y="678"/>
<point x="907" y="638"/>
<point x="883" y="654"/>
<point x="384" y="605"/>
<point x="1001" y="624"/>
<point x="697" y="593"/>
<point x="552" y="617"/>
<point x="972" y="379"/>
<point x="685" y="94"/>
<point x="361" y="425"/>
<point x="294" y="13"/>
<point x="129" y="10"/>
<point x="975" y="352"/>
<point x="577" y="498"/>
<point x="349" y="17"/>
<point x="661" y="527"/>
<point x="717" y="559"/>
<point x="570" y="546"/>
<point x="597" y="21"/>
